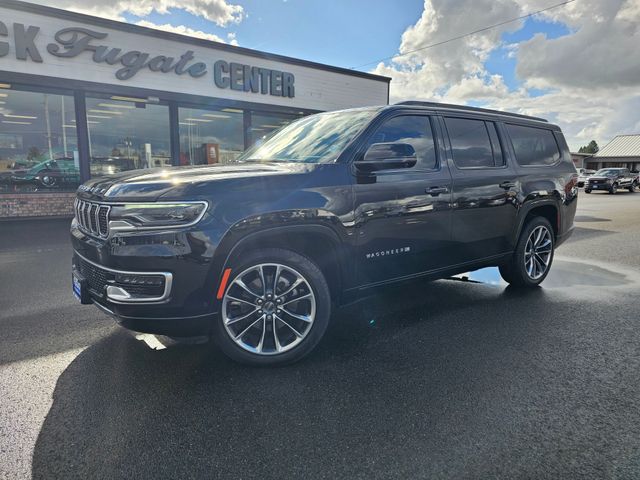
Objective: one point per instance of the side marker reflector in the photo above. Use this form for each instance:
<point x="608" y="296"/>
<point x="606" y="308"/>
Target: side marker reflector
<point x="223" y="283"/>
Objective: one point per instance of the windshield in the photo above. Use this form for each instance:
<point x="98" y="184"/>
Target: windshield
<point x="42" y="165"/>
<point x="315" y="139"/>
<point x="608" y="172"/>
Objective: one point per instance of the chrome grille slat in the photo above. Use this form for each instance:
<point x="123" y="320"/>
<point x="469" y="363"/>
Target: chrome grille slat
<point x="92" y="217"/>
<point x="85" y="214"/>
<point x="103" y="220"/>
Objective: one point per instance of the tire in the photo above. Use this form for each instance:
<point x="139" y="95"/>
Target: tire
<point x="632" y="188"/>
<point x="48" y="181"/>
<point x="521" y="270"/>
<point x="612" y="190"/>
<point x="249" y="337"/>
<point x="587" y="191"/>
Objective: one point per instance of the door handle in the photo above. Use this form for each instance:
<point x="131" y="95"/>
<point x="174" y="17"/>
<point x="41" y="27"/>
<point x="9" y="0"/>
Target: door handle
<point x="435" y="191"/>
<point x="507" y="185"/>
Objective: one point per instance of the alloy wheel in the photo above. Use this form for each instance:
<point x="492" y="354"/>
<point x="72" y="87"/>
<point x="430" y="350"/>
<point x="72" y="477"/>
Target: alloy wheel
<point x="537" y="252"/>
<point x="268" y="309"/>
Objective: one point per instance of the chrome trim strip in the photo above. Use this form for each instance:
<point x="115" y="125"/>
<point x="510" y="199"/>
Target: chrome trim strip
<point x="97" y="232"/>
<point x="168" y="282"/>
<point x="84" y="209"/>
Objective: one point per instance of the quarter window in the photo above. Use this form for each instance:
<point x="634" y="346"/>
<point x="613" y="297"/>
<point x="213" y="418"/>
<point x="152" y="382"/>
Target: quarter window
<point x="533" y="146"/>
<point x="414" y="130"/>
<point x="474" y="143"/>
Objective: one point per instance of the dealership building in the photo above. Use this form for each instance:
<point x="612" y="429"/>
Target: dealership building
<point x="83" y="97"/>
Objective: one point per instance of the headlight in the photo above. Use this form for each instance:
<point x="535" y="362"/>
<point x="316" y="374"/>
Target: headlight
<point x="137" y="216"/>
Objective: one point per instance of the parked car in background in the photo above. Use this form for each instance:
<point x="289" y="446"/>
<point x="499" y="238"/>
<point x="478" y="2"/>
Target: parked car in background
<point x="583" y="174"/>
<point x="610" y="180"/>
<point x="50" y="174"/>
<point x="257" y="253"/>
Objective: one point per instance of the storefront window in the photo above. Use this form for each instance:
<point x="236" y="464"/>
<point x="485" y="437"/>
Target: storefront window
<point x="210" y="136"/>
<point x="263" y="124"/>
<point x="125" y="135"/>
<point x="38" y="143"/>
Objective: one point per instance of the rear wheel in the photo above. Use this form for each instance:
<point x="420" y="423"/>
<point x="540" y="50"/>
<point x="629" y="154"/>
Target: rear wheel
<point x="275" y="309"/>
<point x="587" y="191"/>
<point x="531" y="261"/>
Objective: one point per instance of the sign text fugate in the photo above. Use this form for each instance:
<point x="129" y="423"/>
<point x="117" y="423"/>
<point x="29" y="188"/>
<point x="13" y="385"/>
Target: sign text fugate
<point x="74" y="41"/>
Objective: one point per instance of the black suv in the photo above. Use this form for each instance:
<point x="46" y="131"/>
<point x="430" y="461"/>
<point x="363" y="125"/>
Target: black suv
<point x="257" y="252"/>
<point x="611" y="179"/>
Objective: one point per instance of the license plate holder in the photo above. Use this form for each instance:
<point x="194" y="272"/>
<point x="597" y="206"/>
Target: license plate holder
<point x="80" y="288"/>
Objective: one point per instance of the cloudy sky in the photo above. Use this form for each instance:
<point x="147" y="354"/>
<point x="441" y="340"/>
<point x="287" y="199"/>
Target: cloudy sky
<point x="577" y="65"/>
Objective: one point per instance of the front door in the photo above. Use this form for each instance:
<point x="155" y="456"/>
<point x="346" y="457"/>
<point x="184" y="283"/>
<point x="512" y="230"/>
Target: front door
<point x="403" y="216"/>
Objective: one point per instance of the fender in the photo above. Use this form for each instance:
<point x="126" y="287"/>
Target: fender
<point x="529" y="205"/>
<point x="252" y="229"/>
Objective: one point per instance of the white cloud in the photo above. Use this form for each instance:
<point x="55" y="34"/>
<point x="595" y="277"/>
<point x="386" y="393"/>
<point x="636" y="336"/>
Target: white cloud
<point x="221" y="12"/>
<point x="182" y="30"/>
<point x="231" y="36"/>
<point x="591" y="76"/>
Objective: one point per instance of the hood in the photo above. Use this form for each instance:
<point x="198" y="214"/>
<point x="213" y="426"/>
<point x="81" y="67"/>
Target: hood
<point x="179" y="182"/>
<point x="601" y="177"/>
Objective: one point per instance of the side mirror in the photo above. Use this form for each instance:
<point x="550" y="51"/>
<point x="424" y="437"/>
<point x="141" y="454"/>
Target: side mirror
<point x="384" y="156"/>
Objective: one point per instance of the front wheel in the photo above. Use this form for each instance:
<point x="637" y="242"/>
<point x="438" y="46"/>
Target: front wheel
<point x="275" y="309"/>
<point x="612" y="190"/>
<point x="531" y="261"/>
<point x="48" y="180"/>
<point x="587" y="191"/>
<point x="633" y="187"/>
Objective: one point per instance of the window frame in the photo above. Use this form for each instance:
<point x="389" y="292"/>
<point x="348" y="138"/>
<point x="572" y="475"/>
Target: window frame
<point x="373" y="127"/>
<point x="175" y="123"/>
<point x="504" y="165"/>
<point x="513" y="148"/>
<point x="82" y="114"/>
<point x="59" y="90"/>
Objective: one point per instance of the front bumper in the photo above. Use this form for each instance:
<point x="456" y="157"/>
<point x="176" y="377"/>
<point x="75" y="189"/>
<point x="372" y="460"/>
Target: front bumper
<point x="155" y="282"/>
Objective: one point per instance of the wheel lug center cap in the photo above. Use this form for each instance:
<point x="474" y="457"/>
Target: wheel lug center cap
<point x="269" y="307"/>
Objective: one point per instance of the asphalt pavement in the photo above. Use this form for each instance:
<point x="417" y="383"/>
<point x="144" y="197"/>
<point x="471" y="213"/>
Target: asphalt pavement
<point x="459" y="378"/>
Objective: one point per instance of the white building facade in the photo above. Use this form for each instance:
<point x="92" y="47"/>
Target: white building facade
<point x="82" y="96"/>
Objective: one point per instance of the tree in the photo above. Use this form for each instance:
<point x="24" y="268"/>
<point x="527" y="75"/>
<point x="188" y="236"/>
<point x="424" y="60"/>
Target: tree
<point x="33" y="153"/>
<point x="591" y="148"/>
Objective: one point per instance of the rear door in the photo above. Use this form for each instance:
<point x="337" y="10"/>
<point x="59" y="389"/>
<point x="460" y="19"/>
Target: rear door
<point x="625" y="179"/>
<point x="485" y="188"/>
<point x="403" y="216"/>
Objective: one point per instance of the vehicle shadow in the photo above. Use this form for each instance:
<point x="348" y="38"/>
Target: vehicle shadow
<point x="428" y="380"/>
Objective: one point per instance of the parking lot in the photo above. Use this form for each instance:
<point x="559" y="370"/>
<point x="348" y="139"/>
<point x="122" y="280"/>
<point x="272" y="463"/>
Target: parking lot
<point x="459" y="378"/>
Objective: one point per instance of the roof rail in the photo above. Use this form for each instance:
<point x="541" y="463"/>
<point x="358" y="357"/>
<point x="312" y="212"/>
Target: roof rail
<point x="468" y="108"/>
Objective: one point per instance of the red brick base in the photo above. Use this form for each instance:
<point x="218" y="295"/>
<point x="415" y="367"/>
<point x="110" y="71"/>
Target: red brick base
<point x="13" y="205"/>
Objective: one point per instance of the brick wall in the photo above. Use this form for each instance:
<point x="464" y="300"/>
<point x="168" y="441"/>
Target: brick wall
<point x="13" y="205"/>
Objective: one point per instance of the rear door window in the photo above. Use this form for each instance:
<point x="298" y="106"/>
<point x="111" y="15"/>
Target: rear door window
<point x="474" y="143"/>
<point x="533" y="146"/>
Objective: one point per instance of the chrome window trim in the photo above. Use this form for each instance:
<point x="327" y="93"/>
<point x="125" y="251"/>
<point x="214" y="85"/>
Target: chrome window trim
<point x="168" y="283"/>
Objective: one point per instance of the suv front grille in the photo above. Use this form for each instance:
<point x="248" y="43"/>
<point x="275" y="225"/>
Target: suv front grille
<point x="92" y="218"/>
<point x="96" y="277"/>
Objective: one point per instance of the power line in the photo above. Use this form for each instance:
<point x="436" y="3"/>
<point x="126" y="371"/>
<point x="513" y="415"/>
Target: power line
<point x="467" y="34"/>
